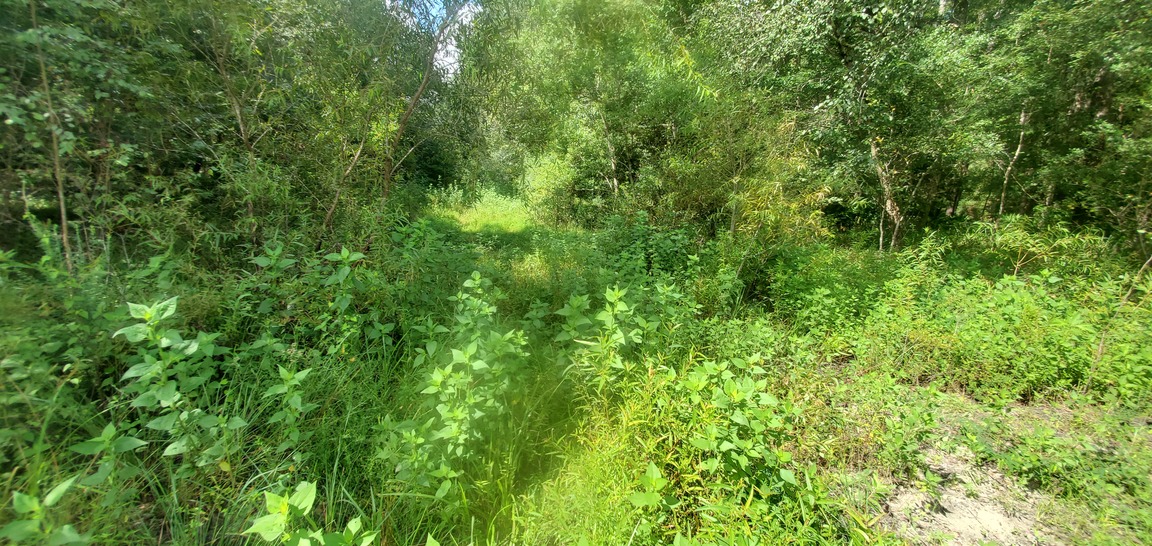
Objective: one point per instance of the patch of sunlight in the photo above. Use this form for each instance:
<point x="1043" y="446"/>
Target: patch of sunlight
<point x="586" y="501"/>
<point x="531" y="268"/>
<point x="495" y="213"/>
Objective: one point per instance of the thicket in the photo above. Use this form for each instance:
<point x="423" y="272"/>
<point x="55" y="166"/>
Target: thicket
<point x="568" y="271"/>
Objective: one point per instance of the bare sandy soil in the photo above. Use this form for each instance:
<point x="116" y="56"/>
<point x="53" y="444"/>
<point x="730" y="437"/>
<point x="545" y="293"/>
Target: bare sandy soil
<point x="975" y="505"/>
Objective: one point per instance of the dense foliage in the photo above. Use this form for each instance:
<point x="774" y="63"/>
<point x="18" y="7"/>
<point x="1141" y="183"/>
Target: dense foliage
<point x="574" y="271"/>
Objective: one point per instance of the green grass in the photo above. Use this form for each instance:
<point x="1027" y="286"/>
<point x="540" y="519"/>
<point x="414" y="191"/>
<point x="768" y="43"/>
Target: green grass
<point x="791" y="421"/>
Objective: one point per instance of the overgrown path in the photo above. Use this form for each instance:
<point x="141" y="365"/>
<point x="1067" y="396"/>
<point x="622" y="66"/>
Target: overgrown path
<point x="500" y="225"/>
<point x="962" y="460"/>
<point x="535" y="266"/>
<point x="526" y="259"/>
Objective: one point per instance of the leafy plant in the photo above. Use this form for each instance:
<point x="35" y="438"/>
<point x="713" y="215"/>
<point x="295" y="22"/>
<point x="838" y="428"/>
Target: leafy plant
<point x="172" y="388"/>
<point x="651" y="485"/>
<point x="288" y="522"/>
<point x="36" y="524"/>
<point x="466" y="396"/>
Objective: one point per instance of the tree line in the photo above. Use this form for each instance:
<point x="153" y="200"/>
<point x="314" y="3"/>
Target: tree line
<point x="199" y="123"/>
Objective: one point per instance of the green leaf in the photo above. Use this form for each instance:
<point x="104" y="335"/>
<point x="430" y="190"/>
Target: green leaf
<point x="788" y="476"/>
<point x="443" y="489"/>
<point x="66" y="534"/>
<point x="642" y="499"/>
<point x="24" y="504"/>
<point x="146" y="399"/>
<point x="138" y="370"/>
<point x="164" y="309"/>
<point x="19" y="531"/>
<point x="134" y="333"/>
<point x="167" y="394"/>
<point x="236" y="423"/>
<point x="275" y="503"/>
<point x="165" y="422"/>
<point x="171" y="338"/>
<point x="652" y="480"/>
<point x="176" y="448"/>
<point x="270" y="527"/>
<point x="303" y="497"/>
<point x="188" y="348"/>
<point x="431" y="541"/>
<point x="54" y="495"/>
<point x="702" y="443"/>
<point x="368" y="539"/>
<point x="100" y="475"/>
<point x="208" y="421"/>
<point x="89" y="447"/>
<point x="138" y="311"/>
<point x="127" y="443"/>
<point x="262" y="261"/>
<point x="108" y="432"/>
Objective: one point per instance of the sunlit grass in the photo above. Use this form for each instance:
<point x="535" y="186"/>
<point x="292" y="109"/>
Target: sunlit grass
<point x="586" y="500"/>
<point x="492" y="213"/>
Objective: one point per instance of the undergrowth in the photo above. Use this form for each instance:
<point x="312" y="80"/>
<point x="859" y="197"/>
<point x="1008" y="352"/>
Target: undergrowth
<point x="474" y="377"/>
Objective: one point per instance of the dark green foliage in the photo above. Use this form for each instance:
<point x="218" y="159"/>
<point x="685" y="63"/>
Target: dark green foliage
<point x="708" y="272"/>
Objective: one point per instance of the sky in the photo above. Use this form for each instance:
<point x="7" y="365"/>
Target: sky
<point x="448" y="58"/>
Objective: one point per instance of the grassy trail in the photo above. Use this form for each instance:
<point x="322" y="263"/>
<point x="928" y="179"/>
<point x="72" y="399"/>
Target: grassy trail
<point x="606" y="397"/>
<point x="586" y="454"/>
<point x="899" y="462"/>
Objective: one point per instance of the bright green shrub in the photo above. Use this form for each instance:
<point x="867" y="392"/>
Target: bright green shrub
<point x="546" y="188"/>
<point x="473" y="369"/>
<point x="721" y="457"/>
<point x="283" y="522"/>
<point x="1015" y="338"/>
<point x="827" y="289"/>
<point x="173" y="390"/>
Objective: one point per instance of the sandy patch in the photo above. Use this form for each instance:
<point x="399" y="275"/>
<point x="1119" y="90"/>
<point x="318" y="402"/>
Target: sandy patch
<point x="974" y="505"/>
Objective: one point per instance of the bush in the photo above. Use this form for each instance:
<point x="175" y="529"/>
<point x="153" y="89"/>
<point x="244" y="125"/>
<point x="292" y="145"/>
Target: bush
<point x="1016" y="338"/>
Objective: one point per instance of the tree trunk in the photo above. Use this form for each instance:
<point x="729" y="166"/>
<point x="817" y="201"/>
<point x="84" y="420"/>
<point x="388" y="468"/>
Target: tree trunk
<point x="891" y="208"/>
<point x="55" y="129"/>
<point x="1012" y="163"/>
<point x="953" y="208"/>
<point x="1049" y="198"/>
<point x="613" y="181"/>
<point x="881" y="247"/>
<point x="339" y="188"/>
<point x="735" y="206"/>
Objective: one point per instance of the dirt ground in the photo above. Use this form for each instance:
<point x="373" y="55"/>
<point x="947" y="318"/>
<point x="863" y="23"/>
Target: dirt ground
<point x="975" y="505"/>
